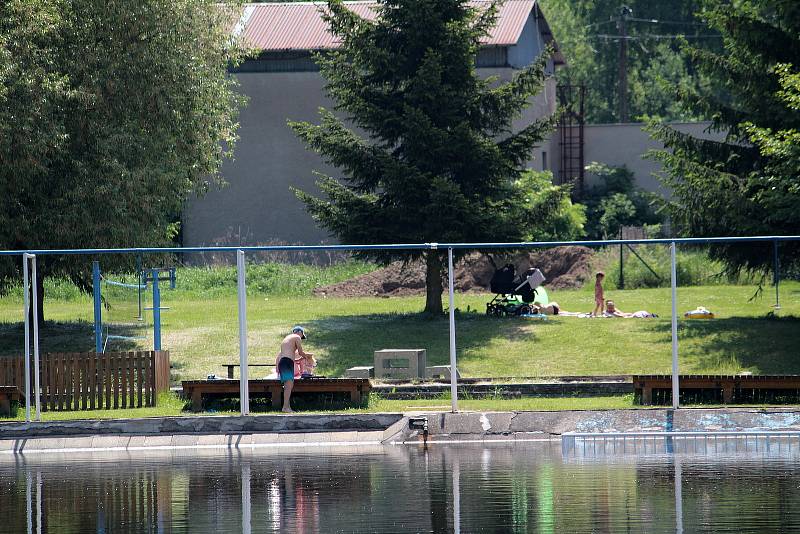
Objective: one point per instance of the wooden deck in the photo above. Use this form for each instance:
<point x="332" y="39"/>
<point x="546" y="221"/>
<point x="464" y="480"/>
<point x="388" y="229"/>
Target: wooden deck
<point x="197" y="389"/>
<point x="643" y="385"/>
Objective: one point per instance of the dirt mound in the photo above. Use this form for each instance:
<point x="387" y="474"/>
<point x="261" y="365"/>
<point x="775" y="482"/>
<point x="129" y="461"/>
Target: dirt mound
<point x="564" y="267"/>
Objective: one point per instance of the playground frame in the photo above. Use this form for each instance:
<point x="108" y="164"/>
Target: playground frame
<point x="29" y="256"/>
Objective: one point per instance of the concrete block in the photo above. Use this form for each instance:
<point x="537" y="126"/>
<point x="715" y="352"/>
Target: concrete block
<point x="211" y="439"/>
<point x="39" y="444"/>
<point x="400" y="363"/>
<point x="184" y="440"/>
<point x="372" y="436"/>
<point x="440" y="371"/>
<point x="78" y="442"/>
<point x="345" y="437"/>
<point x="265" y="438"/>
<point x="135" y="441"/>
<point x="108" y="442"/>
<point x="318" y="437"/>
<point x="360" y="372"/>
<point x="158" y="441"/>
<point x="236" y="441"/>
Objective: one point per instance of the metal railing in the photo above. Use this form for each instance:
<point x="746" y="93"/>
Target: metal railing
<point x="30" y="255"/>
<point x="602" y="444"/>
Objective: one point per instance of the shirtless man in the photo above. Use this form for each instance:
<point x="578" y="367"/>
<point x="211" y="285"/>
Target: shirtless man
<point x="291" y="351"/>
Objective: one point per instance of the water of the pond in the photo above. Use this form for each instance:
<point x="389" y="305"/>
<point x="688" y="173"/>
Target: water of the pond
<point x="522" y="487"/>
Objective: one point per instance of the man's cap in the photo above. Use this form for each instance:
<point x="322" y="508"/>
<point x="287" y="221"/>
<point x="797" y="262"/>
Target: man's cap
<point x="300" y="330"/>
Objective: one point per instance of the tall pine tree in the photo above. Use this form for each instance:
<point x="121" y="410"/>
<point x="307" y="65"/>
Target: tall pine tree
<point x="746" y="184"/>
<point x="441" y="159"/>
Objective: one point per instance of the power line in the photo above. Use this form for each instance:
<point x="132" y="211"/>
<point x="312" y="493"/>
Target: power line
<point x="646" y="36"/>
<point x="592" y="25"/>
<point x="656" y="21"/>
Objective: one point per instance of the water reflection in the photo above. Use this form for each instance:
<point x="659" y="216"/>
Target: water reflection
<point x="498" y="488"/>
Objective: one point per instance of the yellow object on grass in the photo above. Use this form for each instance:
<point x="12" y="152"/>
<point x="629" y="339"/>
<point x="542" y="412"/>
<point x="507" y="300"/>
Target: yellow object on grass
<point x="699" y="313"/>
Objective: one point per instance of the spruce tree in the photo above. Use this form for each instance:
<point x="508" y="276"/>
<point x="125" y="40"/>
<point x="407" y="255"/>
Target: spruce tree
<point x="747" y="184"/>
<point x="441" y="157"/>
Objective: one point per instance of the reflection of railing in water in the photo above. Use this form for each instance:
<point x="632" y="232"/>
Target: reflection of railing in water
<point x="140" y="500"/>
<point x="768" y="443"/>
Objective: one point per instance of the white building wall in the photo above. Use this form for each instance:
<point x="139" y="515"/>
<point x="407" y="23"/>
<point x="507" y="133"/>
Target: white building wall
<point x="627" y="144"/>
<point x="256" y="206"/>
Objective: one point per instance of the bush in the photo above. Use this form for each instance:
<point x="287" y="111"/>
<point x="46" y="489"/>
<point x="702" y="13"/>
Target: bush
<point x="616" y="202"/>
<point x="694" y="268"/>
<point x="268" y="278"/>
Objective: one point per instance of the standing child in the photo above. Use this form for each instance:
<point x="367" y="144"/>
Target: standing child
<point x="599" y="299"/>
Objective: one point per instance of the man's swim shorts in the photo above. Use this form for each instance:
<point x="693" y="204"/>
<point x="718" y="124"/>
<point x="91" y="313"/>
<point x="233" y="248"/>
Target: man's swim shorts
<point x="286" y="369"/>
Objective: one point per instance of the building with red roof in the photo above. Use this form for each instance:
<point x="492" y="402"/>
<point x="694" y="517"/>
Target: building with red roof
<point x="282" y="83"/>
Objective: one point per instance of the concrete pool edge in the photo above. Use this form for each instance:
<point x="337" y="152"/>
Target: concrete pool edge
<point x="232" y="432"/>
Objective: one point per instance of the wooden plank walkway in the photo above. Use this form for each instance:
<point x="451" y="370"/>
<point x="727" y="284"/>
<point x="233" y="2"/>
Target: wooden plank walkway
<point x="358" y="388"/>
<point x="643" y="385"/>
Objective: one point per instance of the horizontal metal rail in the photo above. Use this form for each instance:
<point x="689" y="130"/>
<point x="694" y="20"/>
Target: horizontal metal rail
<point x="407" y="246"/>
<point x="671" y="434"/>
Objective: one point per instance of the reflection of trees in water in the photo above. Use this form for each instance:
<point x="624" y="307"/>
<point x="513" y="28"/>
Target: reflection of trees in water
<point x="501" y="488"/>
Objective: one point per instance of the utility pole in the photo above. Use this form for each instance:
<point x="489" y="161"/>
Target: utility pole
<point x="624" y="13"/>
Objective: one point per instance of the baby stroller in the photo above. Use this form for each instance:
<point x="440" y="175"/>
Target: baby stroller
<point x="513" y="294"/>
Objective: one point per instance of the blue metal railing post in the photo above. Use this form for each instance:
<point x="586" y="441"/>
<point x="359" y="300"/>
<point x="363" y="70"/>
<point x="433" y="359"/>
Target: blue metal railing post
<point x="156" y="311"/>
<point x="98" y="309"/>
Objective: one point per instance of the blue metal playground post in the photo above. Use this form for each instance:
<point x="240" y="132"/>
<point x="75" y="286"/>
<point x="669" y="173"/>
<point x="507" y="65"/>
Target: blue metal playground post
<point x="156" y="311"/>
<point x="98" y="320"/>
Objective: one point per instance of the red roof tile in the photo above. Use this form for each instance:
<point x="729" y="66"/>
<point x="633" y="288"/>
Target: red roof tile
<point x="298" y="25"/>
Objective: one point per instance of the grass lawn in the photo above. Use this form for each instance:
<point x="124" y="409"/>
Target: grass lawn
<point x="201" y="332"/>
<point x="170" y="405"/>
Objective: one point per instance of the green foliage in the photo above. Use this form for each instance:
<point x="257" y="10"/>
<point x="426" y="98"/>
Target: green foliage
<point x="585" y="31"/>
<point x="615" y="203"/>
<point x="693" y="267"/>
<point x="545" y="211"/>
<point x="111" y="114"/>
<point x="219" y="281"/>
<point x="266" y="278"/>
<point x="442" y="154"/>
<point x="746" y="184"/>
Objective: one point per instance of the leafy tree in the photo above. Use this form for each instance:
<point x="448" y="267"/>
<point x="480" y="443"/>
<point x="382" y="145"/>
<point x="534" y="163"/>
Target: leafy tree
<point x="587" y="32"/>
<point x="747" y="184"/>
<point x="111" y="114"/>
<point x="615" y="202"/>
<point x="441" y="158"/>
<point x="545" y="211"/>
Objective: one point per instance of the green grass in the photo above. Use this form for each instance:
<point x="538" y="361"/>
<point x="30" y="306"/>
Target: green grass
<point x="202" y="333"/>
<point x="169" y="405"/>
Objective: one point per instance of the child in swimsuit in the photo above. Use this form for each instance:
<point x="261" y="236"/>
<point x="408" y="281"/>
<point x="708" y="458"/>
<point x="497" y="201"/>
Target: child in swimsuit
<point x="599" y="300"/>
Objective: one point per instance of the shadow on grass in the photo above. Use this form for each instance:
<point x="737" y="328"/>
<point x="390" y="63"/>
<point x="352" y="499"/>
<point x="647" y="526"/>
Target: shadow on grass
<point x="766" y="345"/>
<point x="352" y="340"/>
<point x="62" y="336"/>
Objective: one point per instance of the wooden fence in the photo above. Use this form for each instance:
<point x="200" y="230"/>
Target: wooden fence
<point x="90" y="380"/>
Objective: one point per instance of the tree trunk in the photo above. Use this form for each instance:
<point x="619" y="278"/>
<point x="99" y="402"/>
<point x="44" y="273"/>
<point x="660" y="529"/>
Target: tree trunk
<point x="433" y="283"/>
